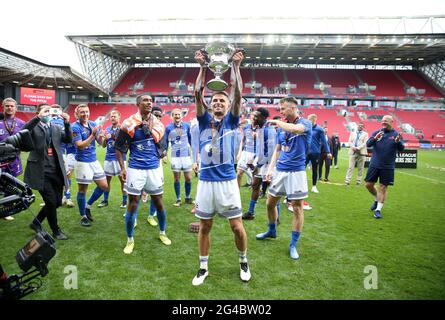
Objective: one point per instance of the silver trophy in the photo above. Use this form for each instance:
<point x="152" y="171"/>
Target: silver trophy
<point x="218" y="55"/>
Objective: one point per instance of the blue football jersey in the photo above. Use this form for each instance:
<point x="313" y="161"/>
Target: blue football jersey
<point x="81" y="133"/>
<point x="143" y="151"/>
<point x="111" y="150"/>
<point x="249" y="137"/>
<point x="294" y="147"/>
<point x="179" y="136"/>
<point x="217" y="147"/>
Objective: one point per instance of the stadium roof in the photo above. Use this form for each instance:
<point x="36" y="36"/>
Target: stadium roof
<point x="23" y="71"/>
<point x="413" y="50"/>
<point x="334" y="42"/>
<point x="376" y="40"/>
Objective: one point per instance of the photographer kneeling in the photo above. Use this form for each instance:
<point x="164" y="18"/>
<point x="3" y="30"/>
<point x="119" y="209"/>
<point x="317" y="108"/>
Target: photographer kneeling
<point x="45" y="170"/>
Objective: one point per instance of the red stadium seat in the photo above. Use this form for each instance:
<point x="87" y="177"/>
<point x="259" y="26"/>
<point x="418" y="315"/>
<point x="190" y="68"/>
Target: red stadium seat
<point x="388" y="83"/>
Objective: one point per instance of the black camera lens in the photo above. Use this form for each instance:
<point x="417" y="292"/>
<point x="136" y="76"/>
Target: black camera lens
<point x="22" y="140"/>
<point x="14" y="140"/>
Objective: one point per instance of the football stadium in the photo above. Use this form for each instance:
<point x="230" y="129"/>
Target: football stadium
<point x="357" y="75"/>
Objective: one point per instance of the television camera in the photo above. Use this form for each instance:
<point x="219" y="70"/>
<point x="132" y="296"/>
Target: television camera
<point x="16" y="196"/>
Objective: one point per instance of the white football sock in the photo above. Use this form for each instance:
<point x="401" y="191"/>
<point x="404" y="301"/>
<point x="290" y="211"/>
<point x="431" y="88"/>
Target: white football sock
<point x="379" y="206"/>
<point x="203" y="262"/>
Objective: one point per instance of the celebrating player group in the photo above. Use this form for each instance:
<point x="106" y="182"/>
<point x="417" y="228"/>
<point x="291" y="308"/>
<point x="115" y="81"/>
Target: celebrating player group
<point x="273" y="153"/>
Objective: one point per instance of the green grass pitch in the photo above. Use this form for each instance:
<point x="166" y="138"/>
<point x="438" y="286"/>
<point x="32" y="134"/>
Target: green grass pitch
<point x="340" y="239"/>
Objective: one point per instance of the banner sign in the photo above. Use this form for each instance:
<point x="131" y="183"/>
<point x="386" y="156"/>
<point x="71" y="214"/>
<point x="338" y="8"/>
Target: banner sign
<point x="405" y="159"/>
<point x="35" y="96"/>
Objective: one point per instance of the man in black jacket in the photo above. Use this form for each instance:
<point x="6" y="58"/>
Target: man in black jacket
<point x="336" y="147"/>
<point x="324" y="158"/>
<point x="45" y="170"/>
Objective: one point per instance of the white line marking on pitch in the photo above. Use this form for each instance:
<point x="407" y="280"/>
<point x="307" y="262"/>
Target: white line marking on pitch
<point x="420" y="177"/>
<point x="428" y="166"/>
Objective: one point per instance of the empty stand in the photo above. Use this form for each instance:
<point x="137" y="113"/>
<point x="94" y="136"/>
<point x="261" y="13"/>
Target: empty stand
<point x="431" y="123"/>
<point x="338" y="78"/>
<point x="134" y="76"/>
<point x="305" y="80"/>
<point x="269" y="78"/>
<point x="414" y="79"/>
<point x="387" y="83"/>
<point x="159" y="79"/>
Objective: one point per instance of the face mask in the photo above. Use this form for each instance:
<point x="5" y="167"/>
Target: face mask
<point x="46" y="119"/>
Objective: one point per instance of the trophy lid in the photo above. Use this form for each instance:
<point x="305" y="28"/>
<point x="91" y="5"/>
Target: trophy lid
<point x="220" y="47"/>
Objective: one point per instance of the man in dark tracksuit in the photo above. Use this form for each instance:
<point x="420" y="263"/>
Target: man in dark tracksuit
<point x="385" y="142"/>
<point x="336" y="146"/>
<point x="318" y="138"/>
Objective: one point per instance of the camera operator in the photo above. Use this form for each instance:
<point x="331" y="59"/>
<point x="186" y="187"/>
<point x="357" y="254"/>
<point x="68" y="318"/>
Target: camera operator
<point x="9" y="126"/>
<point x="45" y="169"/>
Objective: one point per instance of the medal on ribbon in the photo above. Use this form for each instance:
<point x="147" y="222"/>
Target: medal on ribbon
<point x="214" y="146"/>
<point x="11" y="128"/>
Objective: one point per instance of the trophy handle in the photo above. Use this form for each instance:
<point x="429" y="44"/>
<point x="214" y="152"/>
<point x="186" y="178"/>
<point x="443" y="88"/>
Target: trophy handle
<point x="236" y="51"/>
<point x="205" y="54"/>
<point x="240" y="50"/>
